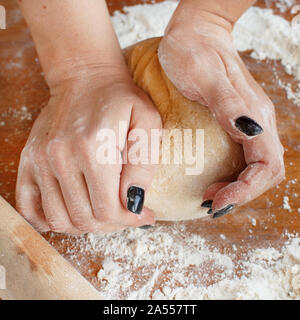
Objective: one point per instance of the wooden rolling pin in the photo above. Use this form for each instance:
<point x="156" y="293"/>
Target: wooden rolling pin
<point x="34" y="269"/>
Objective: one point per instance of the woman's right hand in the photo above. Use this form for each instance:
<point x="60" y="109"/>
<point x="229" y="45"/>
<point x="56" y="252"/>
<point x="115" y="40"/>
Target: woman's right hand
<point x="199" y="57"/>
<point x="61" y="185"/>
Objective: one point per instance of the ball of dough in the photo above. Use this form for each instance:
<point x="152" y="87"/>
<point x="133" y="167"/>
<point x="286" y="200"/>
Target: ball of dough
<point x="173" y="194"/>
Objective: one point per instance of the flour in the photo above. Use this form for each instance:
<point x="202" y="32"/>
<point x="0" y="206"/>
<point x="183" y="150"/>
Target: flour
<point x="164" y="262"/>
<point x="142" y="21"/>
<point x="292" y="94"/>
<point x="284" y="5"/>
<point x="286" y="204"/>
<point x="21" y="114"/>
<point x="269" y="36"/>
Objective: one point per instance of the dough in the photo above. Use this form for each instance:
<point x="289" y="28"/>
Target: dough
<point x="174" y="195"/>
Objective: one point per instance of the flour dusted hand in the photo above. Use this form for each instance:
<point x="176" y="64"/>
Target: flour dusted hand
<point x="64" y="184"/>
<point x="198" y="56"/>
<point x="61" y="184"/>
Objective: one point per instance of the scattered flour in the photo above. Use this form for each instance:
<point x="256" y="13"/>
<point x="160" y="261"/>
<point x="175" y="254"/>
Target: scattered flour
<point x="269" y="36"/>
<point x="21" y="114"/>
<point x="142" y="21"/>
<point x="164" y="263"/>
<point x="286" y="204"/>
<point x="292" y="94"/>
<point x="284" y="5"/>
<point x="253" y="222"/>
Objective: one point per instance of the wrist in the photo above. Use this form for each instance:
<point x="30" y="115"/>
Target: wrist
<point x="84" y="68"/>
<point x="219" y="12"/>
<point x="86" y="75"/>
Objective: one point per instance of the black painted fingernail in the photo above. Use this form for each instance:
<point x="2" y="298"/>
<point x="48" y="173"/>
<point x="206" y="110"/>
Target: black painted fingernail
<point x="207" y="204"/>
<point x="209" y="211"/>
<point x="248" y="126"/>
<point x="146" y="227"/>
<point x="223" y="211"/>
<point x="135" y="199"/>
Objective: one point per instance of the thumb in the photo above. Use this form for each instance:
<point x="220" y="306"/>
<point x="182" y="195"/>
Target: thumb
<point x="138" y="168"/>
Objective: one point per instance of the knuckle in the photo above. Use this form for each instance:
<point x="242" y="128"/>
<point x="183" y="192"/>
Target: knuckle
<point x="86" y="147"/>
<point x="56" y="154"/>
<point x="102" y="215"/>
<point x="40" y="157"/>
<point x="225" y="95"/>
<point x="40" y="228"/>
<point x="25" y="194"/>
<point x="134" y="159"/>
<point x="57" y="225"/>
<point x="83" y="223"/>
<point x="144" y="170"/>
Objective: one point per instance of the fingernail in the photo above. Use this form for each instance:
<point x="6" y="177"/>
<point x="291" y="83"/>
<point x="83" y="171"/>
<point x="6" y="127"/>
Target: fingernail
<point x="146" y="227"/>
<point x="135" y="199"/>
<point x="207" y="204"/>
<point x="223" y="211"/>
<point x="248" y="126"/>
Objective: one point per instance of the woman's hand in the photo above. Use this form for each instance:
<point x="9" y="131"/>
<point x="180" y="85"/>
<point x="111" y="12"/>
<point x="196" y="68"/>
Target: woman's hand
<point x="62" y="185"/>
<point x="198" y="56"/>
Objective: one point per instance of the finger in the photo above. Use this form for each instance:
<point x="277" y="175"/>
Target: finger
<point x="250" y="91"/>
<point x="254" y="96"/>
<point x="28" y="200"/>
<point x="29" y="205"/>
<point x="250" y="184"/>
<point x="231" y="112"/>
<point x="265" y="169"/>
<point x="210" y="194"/>
<point x="74" y="194"/>
<point x="265" y="154"/>
<point x="78" y="203"/>
<point x="54" y="206"/>
<point x="76" y="197"/>
<point x="138" y="171"/>
<point x="103" y="184"/>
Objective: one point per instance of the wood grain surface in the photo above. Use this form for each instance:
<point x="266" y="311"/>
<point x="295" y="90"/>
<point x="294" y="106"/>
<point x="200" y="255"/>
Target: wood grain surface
<point x="23" y="92"/>
<point x="34" y="270"/>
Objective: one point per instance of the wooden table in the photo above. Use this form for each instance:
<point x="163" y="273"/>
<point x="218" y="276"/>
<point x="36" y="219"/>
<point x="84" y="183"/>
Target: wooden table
<point x="23" y="92"/>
